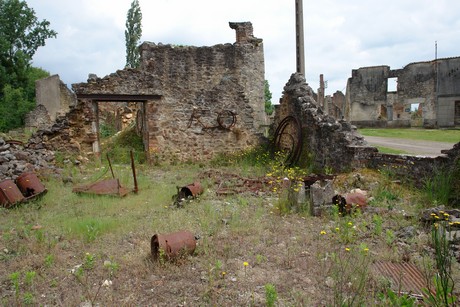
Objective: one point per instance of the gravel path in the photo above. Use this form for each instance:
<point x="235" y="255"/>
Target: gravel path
<point x="412" y="147"/>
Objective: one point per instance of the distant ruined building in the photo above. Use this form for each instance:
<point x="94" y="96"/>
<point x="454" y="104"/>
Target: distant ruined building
<point x="427" y="94"/>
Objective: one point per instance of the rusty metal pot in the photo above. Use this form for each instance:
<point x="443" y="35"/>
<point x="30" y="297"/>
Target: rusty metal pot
<point x="191" y="190"/>
<point x="9" y="193"/>
<point x="30" y="185"/>
<point x="172" y="245"/>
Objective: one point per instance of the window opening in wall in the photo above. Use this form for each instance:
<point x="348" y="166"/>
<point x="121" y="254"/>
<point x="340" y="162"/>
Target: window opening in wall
<point x="416" y="110"/>
<point x="392" y="84"/>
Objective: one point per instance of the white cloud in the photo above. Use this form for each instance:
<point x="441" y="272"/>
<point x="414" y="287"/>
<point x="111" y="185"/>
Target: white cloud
<point x="339" y="35"/>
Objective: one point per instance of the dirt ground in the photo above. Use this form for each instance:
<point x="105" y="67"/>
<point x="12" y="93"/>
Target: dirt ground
<point x="249" y="252"/>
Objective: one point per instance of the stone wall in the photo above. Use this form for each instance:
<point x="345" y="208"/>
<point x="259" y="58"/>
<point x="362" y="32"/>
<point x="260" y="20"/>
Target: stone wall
<point x="53" y="99"/>
<point x="327" y="142"/>
<point x="435" y="85"/>
<point x="70" y="133"/>
<point x="198" y="87"/>
<point x="417" y="169"/>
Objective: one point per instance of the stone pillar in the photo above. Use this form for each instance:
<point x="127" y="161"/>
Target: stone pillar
<point x="95" y="128"/>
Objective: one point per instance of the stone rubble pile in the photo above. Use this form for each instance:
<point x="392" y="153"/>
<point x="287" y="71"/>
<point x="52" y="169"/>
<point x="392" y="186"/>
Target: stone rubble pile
<point x="16" y="159"/>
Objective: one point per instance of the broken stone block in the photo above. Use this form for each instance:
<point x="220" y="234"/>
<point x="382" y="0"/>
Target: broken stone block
<point x="321" y="193"/>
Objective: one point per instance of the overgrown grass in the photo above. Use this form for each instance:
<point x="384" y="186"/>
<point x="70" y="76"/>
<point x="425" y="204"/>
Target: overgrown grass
<point x="96" y="249"/>
<point x="438" y="135"/>
<point x="119" y="146"/>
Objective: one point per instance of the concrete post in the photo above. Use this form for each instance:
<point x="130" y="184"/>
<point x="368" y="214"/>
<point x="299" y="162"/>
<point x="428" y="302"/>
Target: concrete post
<point x="300" y="50"/>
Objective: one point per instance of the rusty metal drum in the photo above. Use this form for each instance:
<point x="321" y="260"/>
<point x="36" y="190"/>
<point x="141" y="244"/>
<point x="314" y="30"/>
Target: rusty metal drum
<point x="29" y="184"/>
<point x="191" y="190"/>
<point x="9" y="193"/>
<point x="172" y="245"/>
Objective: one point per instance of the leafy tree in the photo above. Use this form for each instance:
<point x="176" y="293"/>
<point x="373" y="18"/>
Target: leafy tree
<point x="269" y="108"/>
<point x="21" y="34"/>
<point x="133" y="34"/>
<point x="15" y="103"/>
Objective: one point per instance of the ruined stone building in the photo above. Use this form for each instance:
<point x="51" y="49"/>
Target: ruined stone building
<point x="190" y="103"/>
<point x="427" y="94"/>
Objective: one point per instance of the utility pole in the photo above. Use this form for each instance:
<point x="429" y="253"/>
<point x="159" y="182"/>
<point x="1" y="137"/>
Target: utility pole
<point x="300" y="51"/>
<point x="436" y="101"/>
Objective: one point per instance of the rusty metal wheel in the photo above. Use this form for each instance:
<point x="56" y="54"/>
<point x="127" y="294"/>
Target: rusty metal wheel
<point x="226" y="119"/>
<point x="288" y="139"/>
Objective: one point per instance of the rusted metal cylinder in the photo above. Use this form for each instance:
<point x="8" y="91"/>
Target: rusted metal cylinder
<point x="9" y="193"/>
<point x="172" y="245"/>
<point x="192" y="190"/>
<point x="30" y="185"/>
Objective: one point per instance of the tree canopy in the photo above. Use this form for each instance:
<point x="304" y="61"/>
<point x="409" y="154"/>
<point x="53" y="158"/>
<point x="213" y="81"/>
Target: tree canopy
<point x="269" y="108"/>
<point x="21" y="34"/>
<point x="133" y="34"/>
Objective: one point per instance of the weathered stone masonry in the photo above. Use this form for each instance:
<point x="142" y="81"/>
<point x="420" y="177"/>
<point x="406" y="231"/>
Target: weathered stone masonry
<point x="186" y="88"/>
<point x="328" y="142"/>
<point x="434" y="85"/>
<point x="337" y="144"/>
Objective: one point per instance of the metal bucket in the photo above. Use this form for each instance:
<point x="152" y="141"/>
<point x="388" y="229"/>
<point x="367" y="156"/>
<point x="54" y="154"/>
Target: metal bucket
<point x="172" y="245"/>
<point x="191" y="190"/>
<point x="29" y="184"/>
<point x="9" y="193"/>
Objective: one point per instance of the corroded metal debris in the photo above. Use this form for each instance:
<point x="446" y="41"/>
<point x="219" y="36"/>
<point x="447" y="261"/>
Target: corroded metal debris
<point x="190" y="190"/>
<point x="103" y="187"/>
<point x="26" y="187"/>
<point x="404" y="277"/>
<point x="172" y="245"/>
<point x="30" y="185"/>
<point x="10" y="193"/>
<point x="108" y="186"/>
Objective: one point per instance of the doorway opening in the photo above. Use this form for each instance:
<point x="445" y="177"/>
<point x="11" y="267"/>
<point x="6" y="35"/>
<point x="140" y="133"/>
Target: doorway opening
<point x="120" y="123"/>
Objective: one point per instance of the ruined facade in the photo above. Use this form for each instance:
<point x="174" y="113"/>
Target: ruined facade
<point x="319" y="139"/>
<point x="53" y="98"/>
<point x="191" y="103"/>
<point x="427" y="94"/>
<point x="324" y="142"/>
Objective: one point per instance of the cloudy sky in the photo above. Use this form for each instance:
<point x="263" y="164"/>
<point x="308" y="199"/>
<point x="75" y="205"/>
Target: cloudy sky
<point x="339" y="35"/>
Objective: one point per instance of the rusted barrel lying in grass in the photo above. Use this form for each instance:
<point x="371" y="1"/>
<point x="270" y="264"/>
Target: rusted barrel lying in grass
<point x="172" y="245"/>
<point x="30" y="185"/>
<point x="191" y="190"/>
<point x="9" y="193"/>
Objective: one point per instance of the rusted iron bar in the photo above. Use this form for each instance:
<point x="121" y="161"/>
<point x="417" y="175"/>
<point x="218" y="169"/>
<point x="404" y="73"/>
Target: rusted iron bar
<point x="135" y="190"/>
<point x="110" y="165"/>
